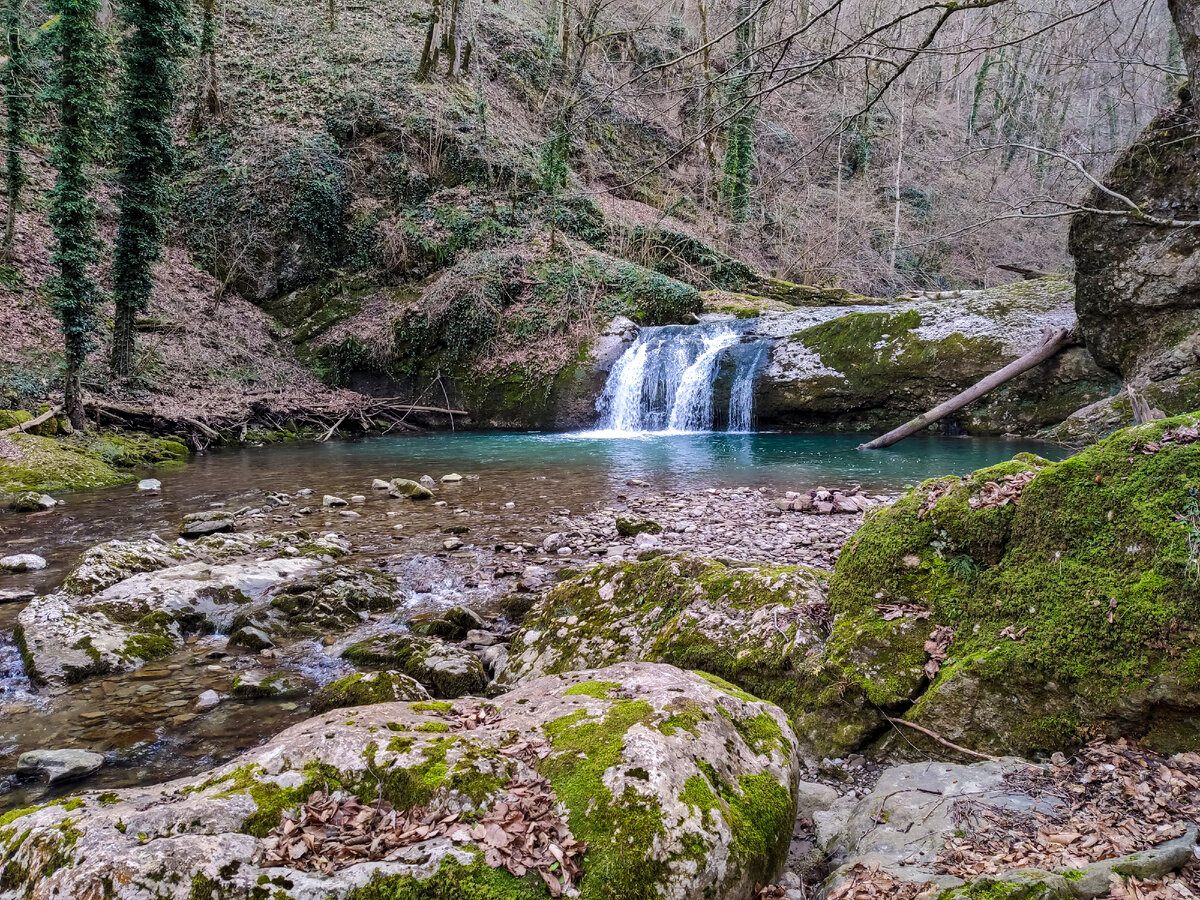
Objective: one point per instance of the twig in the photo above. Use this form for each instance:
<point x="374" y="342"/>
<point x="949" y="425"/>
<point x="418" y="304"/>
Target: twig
<point x="941" y="740"/>
<point x="32" y="423"/>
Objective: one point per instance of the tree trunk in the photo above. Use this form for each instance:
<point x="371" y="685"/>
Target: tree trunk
<point x="73" y="396"/>
<point x="1186" y="16"/>
<point x="1054" y="342"/>
<point x="428" y="54"/>
<point x="121" y="356"/>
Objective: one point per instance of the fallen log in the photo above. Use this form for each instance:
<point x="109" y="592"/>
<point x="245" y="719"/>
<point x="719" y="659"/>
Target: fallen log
<point x="32" y="423"/>
<point x="1051" y="345"/>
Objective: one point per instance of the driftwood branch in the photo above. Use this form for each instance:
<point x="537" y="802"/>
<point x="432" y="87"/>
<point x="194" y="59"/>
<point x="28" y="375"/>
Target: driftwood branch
<point x="1053" y="343"/>
<point x="32" y="423"/>
<point x="1026" y="272"/>
<point x="941" y="740"/>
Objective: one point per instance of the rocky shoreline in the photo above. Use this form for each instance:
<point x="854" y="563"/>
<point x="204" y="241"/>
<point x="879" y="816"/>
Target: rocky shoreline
<point x="684" y="693"/>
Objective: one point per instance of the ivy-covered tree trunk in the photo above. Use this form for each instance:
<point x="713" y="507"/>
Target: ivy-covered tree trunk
<point x="155" y="41"/>
<point x="429" y="53"/>
<point x="77" y="90"/>
<point x="17" y="88"/>
<point x="208" y="102"/>
<point x="739" y="139"/>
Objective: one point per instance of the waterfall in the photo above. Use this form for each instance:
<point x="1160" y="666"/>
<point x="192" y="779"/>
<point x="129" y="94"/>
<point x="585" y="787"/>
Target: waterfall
<point x="667" y="380"/>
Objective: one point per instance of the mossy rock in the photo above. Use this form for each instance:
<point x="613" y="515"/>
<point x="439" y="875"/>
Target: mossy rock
<point x="750" y="625"/>
<point x="335" y="599"/>
<point x="451" y="624"/>
<point x="406" y="487"/>
<point x="666" y="809"/>
<point x="367" y="688"/>
<point x="628" y="526"/>
<point x="81" y="461"/>
<point x="445" y="669"/>
<point x="1075" y="613"/>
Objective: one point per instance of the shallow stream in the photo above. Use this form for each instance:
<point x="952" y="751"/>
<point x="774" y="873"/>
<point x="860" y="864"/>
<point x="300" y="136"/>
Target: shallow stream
<point x="145" y="721"/>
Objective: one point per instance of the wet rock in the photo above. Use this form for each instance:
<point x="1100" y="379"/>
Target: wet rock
<point x="260" y="684"/>
<point x="403" y="487"/>
<point x="149" y="485"/>
<point x="452" y="478"/>
<point x="31" y="501"/>
<point x="332" y="501"/>
<point x="452" y="544"/>
<point x="367" y="688"/>
<point x="131" y="602"/>
<point x="16" y="595"/>
<point x="22" y="562"/>
<point x="629" y="750"/>
<point x="380" y="485"/>
<point x="427" y="481"/>
<point x="453" y="624"/>
<point x="215" y="521"/>
<point x="208" y="700"/>
<point x="628" y="526"/>
<point x="252" y="638"/>
<point x="59" y="765"/>
<point x="445" y="669"/>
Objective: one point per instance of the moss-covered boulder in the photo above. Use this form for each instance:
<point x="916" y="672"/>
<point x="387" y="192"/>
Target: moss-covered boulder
<point x="1025" y="607"/>
<point x="82" y="461"/>
<point x="447" y="670"/>
<point x="872" y="368"/>
<point x="130" y="602"/>
<point x="451" y="624"/>
<point x="367" y="688"/>
<point x="679" y="787"/>
<point x="752" y="625"/>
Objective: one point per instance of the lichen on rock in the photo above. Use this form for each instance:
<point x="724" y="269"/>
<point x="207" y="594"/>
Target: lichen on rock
<point x="666" y="812"/>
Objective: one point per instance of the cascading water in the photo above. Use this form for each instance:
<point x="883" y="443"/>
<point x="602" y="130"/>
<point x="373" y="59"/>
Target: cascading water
<point x="667" y="380"/>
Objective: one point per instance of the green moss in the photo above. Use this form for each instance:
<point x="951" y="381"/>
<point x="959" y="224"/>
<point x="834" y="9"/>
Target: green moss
<point x="433" y="706"/>
<point x="725" y="687"/>
<point x="433" y="727"/>
<point x="147" y="647"/>
<point x="12" y="815"/>
<point x="454" y="881"/>
<point x="1090" y="567"/>
<point x="598" y="689"/>
<point x="81" y="462"/>
<point x="686" y="715"/>
<point x="362" y="689"/>
<point x="617" y="830"/>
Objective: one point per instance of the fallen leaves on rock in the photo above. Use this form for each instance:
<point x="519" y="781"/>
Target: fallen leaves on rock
<point x="869" y="883"/>
<point x="1181" y="885"/>
<point x="936" y="493"/>
<point x="1184" y="434"/>
<point x="520" y="833"/>
<point x="769" y="892"/>
<point x="937" y="645"/>
<point x="892" y="611"/>
<point x="1003" y="492"/>
<point x="1110" y="800"/>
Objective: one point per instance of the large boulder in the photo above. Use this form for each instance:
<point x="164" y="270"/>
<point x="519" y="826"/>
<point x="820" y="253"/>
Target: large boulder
<point x="752" y="625"/>
<point x="678" y="787"/>
<point x="875" y="367"/>
<point x="446" y="669"/>
<point x="128" y="603"/>
<point x="1137" y="283"/>
<point x="1023" y="608"/>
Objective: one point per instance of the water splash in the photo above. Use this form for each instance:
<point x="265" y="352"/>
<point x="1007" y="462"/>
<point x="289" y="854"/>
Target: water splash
<point x="667" y="381"/>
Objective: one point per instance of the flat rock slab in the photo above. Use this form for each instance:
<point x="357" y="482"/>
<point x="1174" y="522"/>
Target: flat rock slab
<point x="59" y="765"/>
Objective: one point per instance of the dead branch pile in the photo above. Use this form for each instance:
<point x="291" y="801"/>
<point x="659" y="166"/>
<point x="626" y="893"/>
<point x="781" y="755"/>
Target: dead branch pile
<point x="824" y="502"/>
<point x="1110" y="800"/>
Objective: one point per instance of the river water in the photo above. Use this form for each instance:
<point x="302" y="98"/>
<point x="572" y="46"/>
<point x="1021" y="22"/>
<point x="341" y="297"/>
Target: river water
<point x="144" y="721"/>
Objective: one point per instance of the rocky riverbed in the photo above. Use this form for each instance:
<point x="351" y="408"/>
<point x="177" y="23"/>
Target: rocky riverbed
<point x="687" y="693"/>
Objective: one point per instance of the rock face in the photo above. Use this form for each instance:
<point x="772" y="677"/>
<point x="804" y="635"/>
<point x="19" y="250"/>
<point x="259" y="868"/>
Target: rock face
<point x="878" y="366"/>
<point x="1021" y="608"/>
<point x="127" y="603"/>
<point x="751" y="625"/>
<point x="1137" y="284"/>
<point x="681" y="790"/>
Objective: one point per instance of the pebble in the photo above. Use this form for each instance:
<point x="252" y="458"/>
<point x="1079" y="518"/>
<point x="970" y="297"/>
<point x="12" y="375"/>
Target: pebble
<point x="330" y="500"/>
<point x="208" y="700"/>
